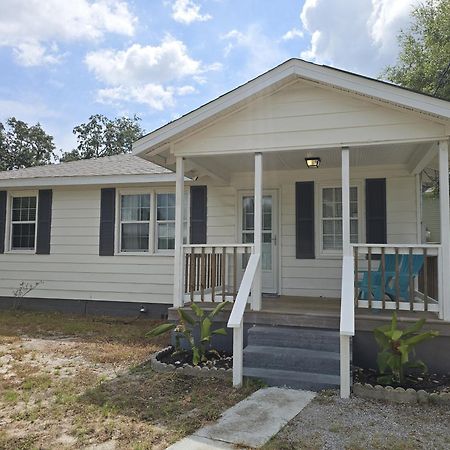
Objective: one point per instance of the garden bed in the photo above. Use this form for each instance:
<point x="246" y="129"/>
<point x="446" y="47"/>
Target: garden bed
<point x="424" y="388"/>
<point x="218" y="365"/>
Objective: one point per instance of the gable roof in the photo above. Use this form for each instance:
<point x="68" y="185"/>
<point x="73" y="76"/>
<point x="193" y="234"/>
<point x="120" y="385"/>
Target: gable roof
<point x="88" y="171"/>
<point x="291" y="69"/>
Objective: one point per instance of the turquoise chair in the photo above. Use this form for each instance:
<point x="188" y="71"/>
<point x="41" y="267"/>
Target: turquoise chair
<point x="375" y="279"/>
<point x="403" y="277"/>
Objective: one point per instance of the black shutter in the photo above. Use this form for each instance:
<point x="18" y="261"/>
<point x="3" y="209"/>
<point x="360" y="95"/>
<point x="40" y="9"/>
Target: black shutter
<point x="304" y="220"/>
<point x="2" y="220"/>
<point x="376" y="228"/>
<point x="198" y="215"/>
<point x="44" y="222"/>
<point x="107" y="219"/>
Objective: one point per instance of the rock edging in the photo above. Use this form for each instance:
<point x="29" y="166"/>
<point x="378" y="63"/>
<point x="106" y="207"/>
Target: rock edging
<point x="399" y="395"/>
<point x="186" y="369"/>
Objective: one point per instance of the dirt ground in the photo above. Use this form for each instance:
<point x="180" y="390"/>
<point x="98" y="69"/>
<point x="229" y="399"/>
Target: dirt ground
<point x="331" y="423"/>
<point x="69" y="382"/>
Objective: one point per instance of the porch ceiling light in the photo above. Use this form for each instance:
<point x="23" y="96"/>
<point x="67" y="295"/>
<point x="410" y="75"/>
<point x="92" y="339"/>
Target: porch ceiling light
<point x="313" y="162"/>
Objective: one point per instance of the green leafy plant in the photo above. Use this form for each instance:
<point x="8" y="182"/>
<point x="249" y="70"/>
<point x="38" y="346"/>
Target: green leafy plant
<point x="185" y="328"/>
<point x="397" y="350"/>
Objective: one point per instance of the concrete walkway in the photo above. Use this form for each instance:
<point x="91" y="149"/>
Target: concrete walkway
<point x="251" y="422"/>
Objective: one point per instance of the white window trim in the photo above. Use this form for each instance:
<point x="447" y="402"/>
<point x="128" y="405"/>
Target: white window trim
<point x="9" y="203"/>
<point x="153" y="243"/>
<point x="319" y="217"/>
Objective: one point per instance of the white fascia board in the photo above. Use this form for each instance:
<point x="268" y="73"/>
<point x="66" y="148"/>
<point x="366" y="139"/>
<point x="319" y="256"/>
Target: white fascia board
<point x="86" y="180"/>
<point x="353" y="83"/>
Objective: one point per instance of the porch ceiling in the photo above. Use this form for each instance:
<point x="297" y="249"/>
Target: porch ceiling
<point x="393" y="154"/>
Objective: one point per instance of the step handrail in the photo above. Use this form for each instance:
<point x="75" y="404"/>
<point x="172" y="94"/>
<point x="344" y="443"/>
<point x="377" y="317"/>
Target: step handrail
<point x="235" y="320"/>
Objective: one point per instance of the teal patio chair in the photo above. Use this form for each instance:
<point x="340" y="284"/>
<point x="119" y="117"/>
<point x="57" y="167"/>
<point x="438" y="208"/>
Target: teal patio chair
<point x="404" y="277"/>
<point x="376" y="278"/>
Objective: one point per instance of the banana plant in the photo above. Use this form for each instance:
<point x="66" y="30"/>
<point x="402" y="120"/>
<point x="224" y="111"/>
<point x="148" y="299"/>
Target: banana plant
<point x="185" y="327"/>
<point x="397" y="350"/>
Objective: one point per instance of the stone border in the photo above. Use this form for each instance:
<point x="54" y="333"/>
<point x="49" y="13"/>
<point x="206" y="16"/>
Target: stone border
<point x="399" y="395"/>
<point x="186" y="369"/>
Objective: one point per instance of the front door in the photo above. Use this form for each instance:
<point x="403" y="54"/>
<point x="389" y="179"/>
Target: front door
<point x="269" y="257"/>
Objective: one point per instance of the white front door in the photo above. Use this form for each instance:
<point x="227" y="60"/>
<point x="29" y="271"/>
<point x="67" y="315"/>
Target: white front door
<point x="269" y="257"/>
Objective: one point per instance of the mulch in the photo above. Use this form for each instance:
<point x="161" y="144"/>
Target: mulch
<point x="219" y="359"/>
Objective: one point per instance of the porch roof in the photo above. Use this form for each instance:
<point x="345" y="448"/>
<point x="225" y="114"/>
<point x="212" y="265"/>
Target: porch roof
<point x="158" y="142"/>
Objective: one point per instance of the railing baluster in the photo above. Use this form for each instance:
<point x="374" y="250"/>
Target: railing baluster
<point x="425" y="279"/>
<point x="369" y="276"/>
<point x="213" y="273"/>
<point x="234" y="273"/>
<point x="186" y="273"/>
<point x="192" y="274"/>
<point x="203" y="275"/>
<point x="397" y="281"/>
<point x="411" y="282"/>
<point x="383" y="278"/>
<point x="355" y="277"/>
<point x="224" y="261"/>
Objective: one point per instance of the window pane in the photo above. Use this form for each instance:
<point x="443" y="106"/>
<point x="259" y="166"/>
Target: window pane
<point x="23" y="236"/>
<point x="247" y="238"/>
<point x="135" y="237"/>
<point x="328" y="195"/>
<point x="166" y="236"/>
<point x="328" y="210"/>
<point x="135" y="208"/>
<point x="24" y="209"/>
<point x="165" y="207"/>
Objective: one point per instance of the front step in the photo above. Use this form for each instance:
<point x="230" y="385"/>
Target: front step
<point x="297" y="380"/>
<point x="301" y="358"/>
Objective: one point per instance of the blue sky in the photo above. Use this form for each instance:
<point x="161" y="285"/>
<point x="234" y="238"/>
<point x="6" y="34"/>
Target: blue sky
<point x="63" y="61"/>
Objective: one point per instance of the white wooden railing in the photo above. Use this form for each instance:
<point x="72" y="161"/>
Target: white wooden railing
<point x="401" y="277"/>
<point x="211" y="272"/>
<point x="237" y="317"/>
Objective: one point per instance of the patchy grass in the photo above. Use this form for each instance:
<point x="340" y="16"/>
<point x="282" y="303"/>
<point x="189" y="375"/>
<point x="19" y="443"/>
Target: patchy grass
<point x="68" y="382"/>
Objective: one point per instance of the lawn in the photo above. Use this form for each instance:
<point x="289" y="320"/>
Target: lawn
<point x="68" y="381"/>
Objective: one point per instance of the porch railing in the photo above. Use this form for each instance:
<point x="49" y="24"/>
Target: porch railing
<point x="396" y="277"/>
<point x="212" y="272"/>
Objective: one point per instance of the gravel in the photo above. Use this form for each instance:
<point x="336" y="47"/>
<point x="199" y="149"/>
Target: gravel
<point x="329" y="422"/>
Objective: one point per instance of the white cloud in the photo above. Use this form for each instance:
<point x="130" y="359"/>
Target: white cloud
<point x="292" y="34"/>
<point x="151" y="75"/>
<point x="187" y="11"/>
<point x="31" y="27"/>
<point x="356" y="35"/>
<point x="259" y="52"/>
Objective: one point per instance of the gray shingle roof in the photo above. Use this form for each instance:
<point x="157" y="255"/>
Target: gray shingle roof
<point x="107" y="165"/>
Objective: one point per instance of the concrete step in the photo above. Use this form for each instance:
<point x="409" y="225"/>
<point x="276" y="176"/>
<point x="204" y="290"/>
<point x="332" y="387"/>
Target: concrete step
<point x="303" y="360"/>
<point x="293" y="337"/>
<point x="296" y="380"/>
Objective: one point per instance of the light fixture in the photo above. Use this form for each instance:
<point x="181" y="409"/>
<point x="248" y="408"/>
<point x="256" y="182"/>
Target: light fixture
<point x="312" y="162"/>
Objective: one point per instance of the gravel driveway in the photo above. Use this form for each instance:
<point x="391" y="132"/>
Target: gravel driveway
<point x="331" y="423"/>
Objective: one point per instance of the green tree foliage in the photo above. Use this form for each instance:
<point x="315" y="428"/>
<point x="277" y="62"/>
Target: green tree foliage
<point x="424" y="60"/>
<point x="22" y="145"/>
<point x="101" y="136"/>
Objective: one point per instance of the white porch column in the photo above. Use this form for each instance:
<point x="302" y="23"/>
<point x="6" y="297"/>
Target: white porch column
<point x="178" y="299"/>
<point x="346" y="249"/>
<point x="257" y="283"/>
<point x="444" y="296"/>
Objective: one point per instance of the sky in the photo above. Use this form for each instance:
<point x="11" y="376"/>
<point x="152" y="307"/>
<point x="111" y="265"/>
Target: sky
<point x="63" y="61"/>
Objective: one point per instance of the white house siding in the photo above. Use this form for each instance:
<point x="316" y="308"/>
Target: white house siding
<point x="303" y="115"/>
<point x="320" y="276"/>
<point x="431" y="217"/>
<point x="74" y="270"/>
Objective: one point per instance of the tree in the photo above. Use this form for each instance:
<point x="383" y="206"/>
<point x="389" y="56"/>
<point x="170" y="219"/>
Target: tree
<point x="104" y="137"/>
<point x="22" y="145"/>
<point x="424" y="60"/>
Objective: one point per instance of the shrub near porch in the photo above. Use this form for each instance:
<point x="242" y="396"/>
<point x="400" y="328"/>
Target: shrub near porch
<point x="76" y="381"/>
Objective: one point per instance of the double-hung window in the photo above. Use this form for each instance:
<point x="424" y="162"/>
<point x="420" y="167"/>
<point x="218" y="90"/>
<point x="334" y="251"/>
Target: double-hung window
<point x="134" y="222"/>
<point x="165" y="221"/>
<point x="23" y="222"/>
<point x="331" y="220"/>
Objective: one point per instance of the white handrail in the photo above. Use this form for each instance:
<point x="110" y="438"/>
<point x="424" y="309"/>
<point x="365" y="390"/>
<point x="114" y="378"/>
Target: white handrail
<point x="237" y="315"/>
<point x="347" y="325"/>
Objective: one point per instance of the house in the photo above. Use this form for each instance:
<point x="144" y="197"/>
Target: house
<point x="295" y="196"/>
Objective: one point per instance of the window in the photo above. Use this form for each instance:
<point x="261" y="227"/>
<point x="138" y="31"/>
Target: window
<point x="165" y="221"/>
<point x="23" y="223"/>
<point x="332" y="217"/>
<point x="134" y="222"/>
